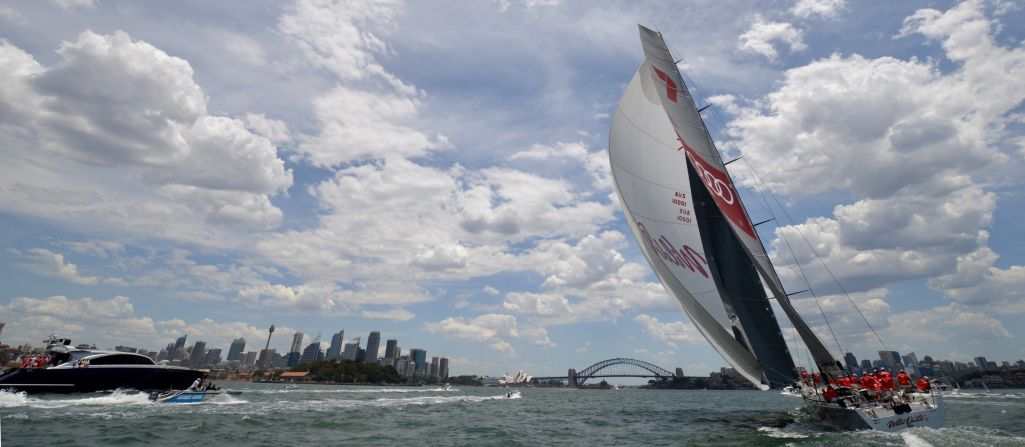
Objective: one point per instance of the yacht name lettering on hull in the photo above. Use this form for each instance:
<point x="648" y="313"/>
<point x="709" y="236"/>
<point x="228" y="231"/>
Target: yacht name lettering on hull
<point x="685" y="256"/>
<point x="909" y="421"/>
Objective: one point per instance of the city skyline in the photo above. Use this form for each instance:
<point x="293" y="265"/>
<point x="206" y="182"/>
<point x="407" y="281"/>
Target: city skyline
<point x="438" y="172"/>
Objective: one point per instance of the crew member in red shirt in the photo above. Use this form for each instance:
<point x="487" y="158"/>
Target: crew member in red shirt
<point x="868" y="383"/>
<point x="923" y="385"/>
<point x="804" y="376"/>
<point x="904" y="380"/>
<point x="886" y="383"/>
<point x="829" y="394"/>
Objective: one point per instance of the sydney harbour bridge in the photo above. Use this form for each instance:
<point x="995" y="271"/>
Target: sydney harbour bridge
<point x="618" y="367"/>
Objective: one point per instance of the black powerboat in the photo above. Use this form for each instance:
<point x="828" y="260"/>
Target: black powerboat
<point x="64" y="369"/>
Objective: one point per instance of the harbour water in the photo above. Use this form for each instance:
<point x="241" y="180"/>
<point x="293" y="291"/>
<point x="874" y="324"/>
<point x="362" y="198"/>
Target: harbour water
<point x="267" y="414"/>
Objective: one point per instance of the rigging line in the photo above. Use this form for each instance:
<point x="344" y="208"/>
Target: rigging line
<point x="729" y="138"/>
<point x="815" y="296"/>
<point x="821" y="261"/>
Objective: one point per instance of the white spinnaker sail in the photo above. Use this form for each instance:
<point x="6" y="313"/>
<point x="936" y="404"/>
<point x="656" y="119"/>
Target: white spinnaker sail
<point x="654" y="188"/>
<point x="704" y="158"/>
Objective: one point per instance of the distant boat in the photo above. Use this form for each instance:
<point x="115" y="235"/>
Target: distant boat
<point x="64" y="369"/>
<point x="791" y="391"/>
<point x="684" y="210"/>
<point x="189" y="397"/>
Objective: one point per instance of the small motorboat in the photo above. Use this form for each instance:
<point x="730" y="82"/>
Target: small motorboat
<point x="188" y="397"/>
<point x="291" y="387"/>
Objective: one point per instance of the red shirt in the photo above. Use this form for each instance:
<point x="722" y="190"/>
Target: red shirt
<point x="868" y="382"/>
<point x="829" y="394"/>
<point x="923" y="385"/>
<point x="886" y="383"/>
<point x="904" y="379"/>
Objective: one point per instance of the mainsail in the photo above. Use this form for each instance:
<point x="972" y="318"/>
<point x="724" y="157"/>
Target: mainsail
<point x="684" y="210"/>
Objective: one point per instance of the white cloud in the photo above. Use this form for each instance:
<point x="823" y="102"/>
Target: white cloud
<point x="48" y="263"/>
<point x="671" y="332"/>
<point x="392" y="314"/>
<point x="524" y="303"/>
<point x="827" y="9"/>
<point x="34" y="319"/>
<point x="760" y="36"/>
<point x="338" y="36"/>
<point x="491" y="329"/>
<point x="356" y="124"/>
<point x="978" y="282"/>
<point x="902" y="137"/>
<point x="114" y="103"/>
<point x="72" y="5"/>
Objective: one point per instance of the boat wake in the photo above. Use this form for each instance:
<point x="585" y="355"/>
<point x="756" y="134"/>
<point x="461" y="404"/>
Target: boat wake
<point x="119" y="398"/>
<point x="343" y="390"/>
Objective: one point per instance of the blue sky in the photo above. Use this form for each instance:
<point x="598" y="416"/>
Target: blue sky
<point x="437" y="171"/>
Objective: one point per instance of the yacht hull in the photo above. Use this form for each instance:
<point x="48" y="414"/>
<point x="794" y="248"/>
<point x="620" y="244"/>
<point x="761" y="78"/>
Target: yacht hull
<point x="925" y="412"/>
<point x="98" y="378"/>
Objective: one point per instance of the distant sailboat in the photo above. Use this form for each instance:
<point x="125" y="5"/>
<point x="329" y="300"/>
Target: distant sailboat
<point x="692" y="227"/>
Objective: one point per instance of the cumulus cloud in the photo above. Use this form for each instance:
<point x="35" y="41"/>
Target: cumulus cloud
<point x="670" y="332"/>
<point x="491" y="329"/>
<point x="339" y="36"/>
<point x="827" y="9"/>
<point x="33" y="319"/>
<point x="902" y="137"/>
<point x="113" y="102"/>
<point x="760" y="38"/>
<point x="48" y="263"/>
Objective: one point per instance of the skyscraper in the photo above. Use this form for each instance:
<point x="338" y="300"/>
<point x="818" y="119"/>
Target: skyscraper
<point x="334" y="351"/>
<point x="235" y="351"/>
<point x="982" y="363"/>
<point x="434" y="367"/>
<point x="443" y="369"/>
<point x="851" y="361"/>
<point x="891" y="359"/>
<point x="213" y="357"/>
<point x="351" y="350"/>
<point x="418" y="357"/>
<point x="911" y="363"/>
<point x="197" y="357"/>
<point x="312" y="353"/>
<point x="390" y="349"/>
<point x="248" y="358"/>
<point x="373" y="344"/>
<point x="297" y="342"/>
<point x="180" y="343"/>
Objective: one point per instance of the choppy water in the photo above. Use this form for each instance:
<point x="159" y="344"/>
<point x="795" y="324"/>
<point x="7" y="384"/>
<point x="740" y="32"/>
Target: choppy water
<point x="335" y="415"/>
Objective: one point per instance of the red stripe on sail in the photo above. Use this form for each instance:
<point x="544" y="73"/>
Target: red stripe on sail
<point x="721" y="189"/>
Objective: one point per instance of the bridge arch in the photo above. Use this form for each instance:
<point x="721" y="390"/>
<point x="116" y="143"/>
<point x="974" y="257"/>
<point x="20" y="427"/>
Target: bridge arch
<point x="620" y="367"/>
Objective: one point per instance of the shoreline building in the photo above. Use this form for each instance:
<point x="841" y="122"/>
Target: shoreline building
<point x="373" y="345"/>
<point x="236" y="348"/>
<point x="334" y="351"/>
<point x="351" y="350"/>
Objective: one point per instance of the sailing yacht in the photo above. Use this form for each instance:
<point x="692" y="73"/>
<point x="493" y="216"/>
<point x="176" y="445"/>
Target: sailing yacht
<point x="692" y="227"/>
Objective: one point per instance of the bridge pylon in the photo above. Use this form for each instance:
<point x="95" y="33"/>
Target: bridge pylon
<point x="572" y="376"/>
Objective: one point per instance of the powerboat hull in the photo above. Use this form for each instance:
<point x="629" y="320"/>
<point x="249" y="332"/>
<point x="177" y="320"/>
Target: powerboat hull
<point x="98" y="378"/>
<point x="189" y="397"/>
